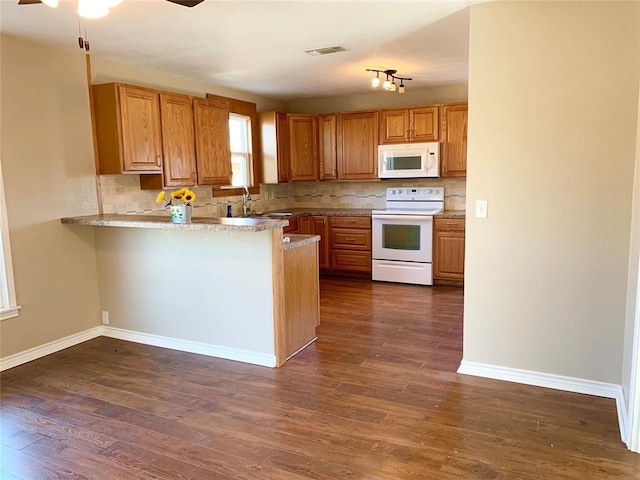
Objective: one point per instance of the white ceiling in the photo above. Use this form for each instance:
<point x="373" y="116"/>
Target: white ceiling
<point x="258" y="46"/>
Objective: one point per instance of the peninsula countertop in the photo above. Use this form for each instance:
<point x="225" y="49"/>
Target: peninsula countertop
<point x="251" y="224"/>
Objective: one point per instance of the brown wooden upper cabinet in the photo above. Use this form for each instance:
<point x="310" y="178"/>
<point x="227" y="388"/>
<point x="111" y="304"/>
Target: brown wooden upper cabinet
<point x="453" y="155"/>
<point x="303" y="147"/>
<point x="178" y="140"/>
<point x="127" y="120"/>
<point x="357" y="145"/>
<point x="328" y="154"/>
<point x="402" y="125"/>
<point x="211" y="121"/>
<point x="274" y="140"/>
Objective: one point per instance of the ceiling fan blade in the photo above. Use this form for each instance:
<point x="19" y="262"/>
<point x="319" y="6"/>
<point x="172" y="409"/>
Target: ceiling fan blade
<point x="186" y="3"/>
<point x="28" y="2"/>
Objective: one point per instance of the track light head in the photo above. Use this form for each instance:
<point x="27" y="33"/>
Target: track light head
<point x="375" y="81"/>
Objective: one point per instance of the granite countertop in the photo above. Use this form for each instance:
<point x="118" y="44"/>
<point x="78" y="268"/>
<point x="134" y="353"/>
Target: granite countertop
<point x="298" y="240"/>
<point x="164" y="222"/>
<point x="334" y="212"/>
<point x="452" y="214"/>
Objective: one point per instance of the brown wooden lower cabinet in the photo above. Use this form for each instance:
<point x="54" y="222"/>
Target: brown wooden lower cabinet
<point x="448" y="250"/>
<point x="350" y="244"/>
<point x="350" y="260"/>
<point x="345" y="242"/>
<point x="294" y="226"/>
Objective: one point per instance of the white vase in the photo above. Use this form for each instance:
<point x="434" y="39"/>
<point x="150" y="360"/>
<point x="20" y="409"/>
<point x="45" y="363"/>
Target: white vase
<point x="180" y="213"/>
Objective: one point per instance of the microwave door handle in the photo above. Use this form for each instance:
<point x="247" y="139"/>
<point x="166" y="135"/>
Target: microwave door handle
<point x="403" y="217"/>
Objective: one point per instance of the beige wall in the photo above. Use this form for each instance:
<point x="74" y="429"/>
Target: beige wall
<point x="553" y="95"/>
<point x="381" y="99"/>
<point x="104" y="71"/>
<point x="209" y="287"/>
<point x="47" y="161"/>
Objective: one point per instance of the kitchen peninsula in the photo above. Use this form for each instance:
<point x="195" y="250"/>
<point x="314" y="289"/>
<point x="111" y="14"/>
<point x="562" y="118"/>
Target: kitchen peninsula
<point x="216" y="286"/>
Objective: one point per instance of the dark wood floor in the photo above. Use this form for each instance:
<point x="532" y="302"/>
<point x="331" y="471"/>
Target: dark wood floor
<point x="376" y="397"/>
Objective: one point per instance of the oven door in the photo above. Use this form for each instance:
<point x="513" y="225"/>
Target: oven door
<point x="405" y="238"/>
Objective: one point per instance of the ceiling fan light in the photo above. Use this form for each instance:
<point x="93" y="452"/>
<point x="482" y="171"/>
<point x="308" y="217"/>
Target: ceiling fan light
<point x="92" y="8"/>
<point x="51" y="3"/>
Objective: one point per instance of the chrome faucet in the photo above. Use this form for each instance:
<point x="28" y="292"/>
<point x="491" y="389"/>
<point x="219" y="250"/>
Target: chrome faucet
<point x="246" y="198"/>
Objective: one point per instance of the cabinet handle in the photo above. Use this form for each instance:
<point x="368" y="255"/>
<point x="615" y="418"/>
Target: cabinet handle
<point x="451" y="223"/>
<point x="349" y="221"/>
<point x="349" y="239"/>
<point x="349" y="260"/>
<point x="193" y="177"/>
<point x="159" y="159"/>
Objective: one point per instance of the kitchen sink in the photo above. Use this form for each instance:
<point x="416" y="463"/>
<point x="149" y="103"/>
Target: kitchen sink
<point x="277" y="214"/>
<point x="266" y="215"/>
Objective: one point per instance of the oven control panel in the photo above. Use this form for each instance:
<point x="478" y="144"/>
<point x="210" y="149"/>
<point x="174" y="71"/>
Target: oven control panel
<point x="408" y="194"/>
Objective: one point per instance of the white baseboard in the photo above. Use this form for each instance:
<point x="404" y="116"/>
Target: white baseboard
<point x="227" y="353"/>
<point x="623" y="418"/>
<point x="557" y="382"/>
<point x="48" y="348"/>
<point x="217" y="351"/>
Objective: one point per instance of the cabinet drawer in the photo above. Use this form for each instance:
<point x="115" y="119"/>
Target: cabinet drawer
<point x="350" y="239"/>
<point x="444" y="224"/>
<point x="292" y="227"/>
<point x="351" y="222"/>
<point x="350" y="260"/>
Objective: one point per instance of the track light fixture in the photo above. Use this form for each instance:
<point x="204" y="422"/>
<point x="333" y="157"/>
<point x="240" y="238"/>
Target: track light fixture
<point x="390" y="83"/>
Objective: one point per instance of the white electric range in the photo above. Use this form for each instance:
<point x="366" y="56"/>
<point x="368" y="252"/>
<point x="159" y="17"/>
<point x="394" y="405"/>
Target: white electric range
<point x="402" y="235"/>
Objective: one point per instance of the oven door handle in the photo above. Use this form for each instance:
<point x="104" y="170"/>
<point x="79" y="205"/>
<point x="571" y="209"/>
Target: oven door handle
<point x="402" y="217"/>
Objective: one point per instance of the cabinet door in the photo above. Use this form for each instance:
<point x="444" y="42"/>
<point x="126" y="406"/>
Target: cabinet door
<point x="140" y="121"/>
<point x="303" y="147"/>
<point x="394" y="126"/>
<point x="321" y="227"/>
<point x="274" y="144"/>
<point x="213" y="158"/>
<point x="453" y="161"/>
<point x="357" y="145"/>
<point x="424" y="124"/>
<point x="178" y="140"/>
<point x="282" y="146"/>
<point x="449" y="255"/>
<point x="328" y="165"/>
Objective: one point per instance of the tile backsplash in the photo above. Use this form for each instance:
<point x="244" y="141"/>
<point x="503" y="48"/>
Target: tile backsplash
<point x="122" y="194"/>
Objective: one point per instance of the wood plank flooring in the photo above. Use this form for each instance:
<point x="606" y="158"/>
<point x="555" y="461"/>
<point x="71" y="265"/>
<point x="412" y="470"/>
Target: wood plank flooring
<point x="376" y="397"/>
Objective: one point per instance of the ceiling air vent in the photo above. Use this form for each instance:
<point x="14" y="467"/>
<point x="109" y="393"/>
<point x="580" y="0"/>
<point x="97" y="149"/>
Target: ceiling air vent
<point x="326" y="50"/>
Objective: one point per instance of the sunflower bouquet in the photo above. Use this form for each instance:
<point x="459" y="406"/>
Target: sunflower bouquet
<point x="184" y="194"/>
<point x="180" y="213"/>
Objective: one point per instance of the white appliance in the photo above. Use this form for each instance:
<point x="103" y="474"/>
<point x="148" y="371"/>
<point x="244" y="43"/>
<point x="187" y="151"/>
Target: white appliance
<point x="402" y="235"/>
<point x="409" y="160"/>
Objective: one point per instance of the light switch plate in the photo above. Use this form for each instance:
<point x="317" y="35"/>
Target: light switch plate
<point x="481" y="209"/>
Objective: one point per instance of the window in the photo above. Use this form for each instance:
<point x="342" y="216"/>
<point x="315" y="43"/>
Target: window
<point x="240" y="145"/>
<point x="8" y="307"/>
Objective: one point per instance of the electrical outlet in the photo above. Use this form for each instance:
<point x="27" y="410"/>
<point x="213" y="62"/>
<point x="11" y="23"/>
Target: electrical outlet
<point x="481" y="209"/>
<point x="105" y="317"/>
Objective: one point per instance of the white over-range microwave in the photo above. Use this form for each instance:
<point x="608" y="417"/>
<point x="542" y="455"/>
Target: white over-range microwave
<point x="409" y="160"/>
